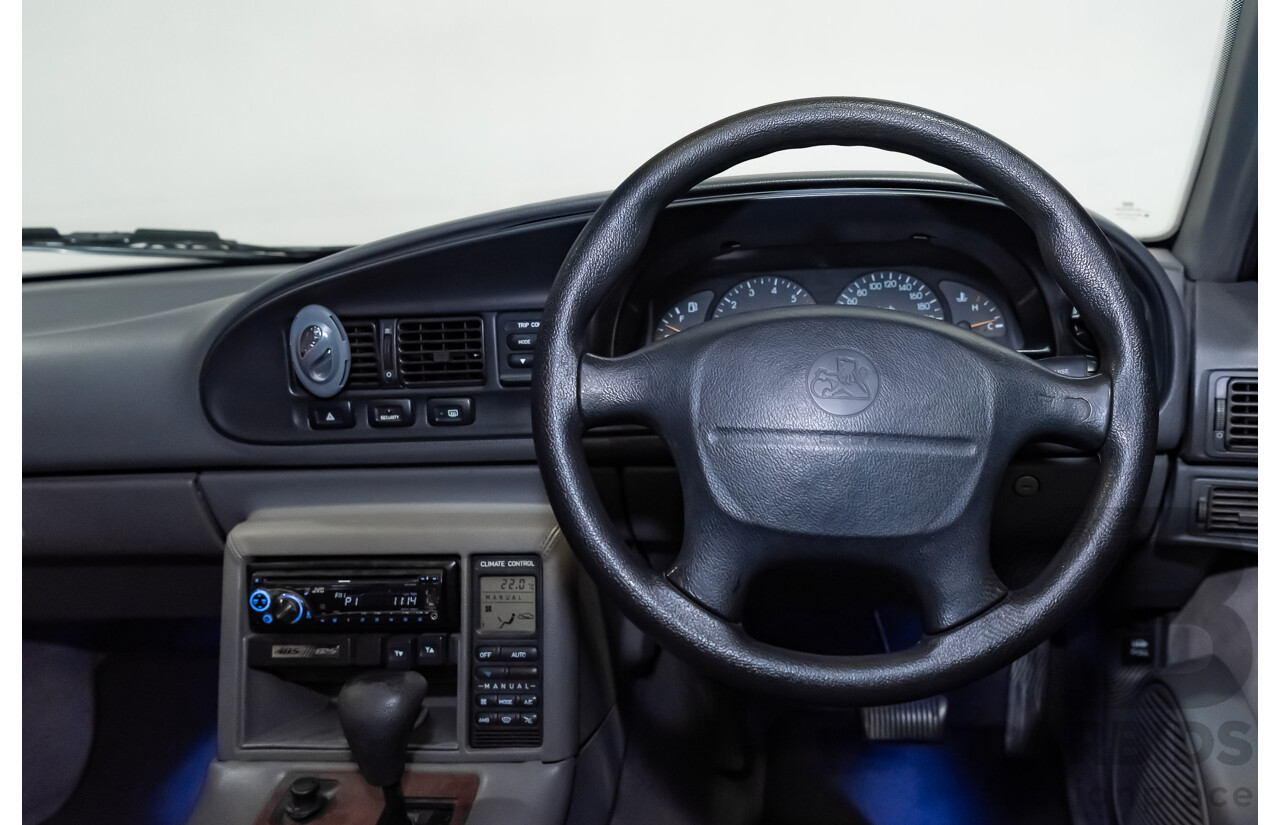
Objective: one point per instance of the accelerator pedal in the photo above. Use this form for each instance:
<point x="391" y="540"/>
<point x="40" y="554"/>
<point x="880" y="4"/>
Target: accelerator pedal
<point x="920" y="721"/>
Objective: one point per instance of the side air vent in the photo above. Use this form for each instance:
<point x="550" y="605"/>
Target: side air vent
<point x="1233" y="411"/>
<point x="364" y="353"/>
<point x="1230" y="510"/>
<point x="1242" y="415"/>
<point x="436" y="351"/>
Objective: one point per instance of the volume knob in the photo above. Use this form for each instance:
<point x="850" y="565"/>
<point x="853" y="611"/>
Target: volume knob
<point x="288" y="608"/>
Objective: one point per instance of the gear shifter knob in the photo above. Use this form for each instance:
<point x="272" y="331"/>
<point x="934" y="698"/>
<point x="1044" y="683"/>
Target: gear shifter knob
<point x="377" y="711"/>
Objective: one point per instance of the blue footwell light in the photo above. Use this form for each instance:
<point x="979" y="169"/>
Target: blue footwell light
<point x="177" y="795"/>
<point x="903" y="784"/>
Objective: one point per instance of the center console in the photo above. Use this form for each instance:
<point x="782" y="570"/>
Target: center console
<point x="483" y="601"/>
<point x="316" y="623"/>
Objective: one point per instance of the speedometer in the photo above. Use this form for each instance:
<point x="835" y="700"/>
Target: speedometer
<point x="763" y="292"/>
<point x="892" y="290"/>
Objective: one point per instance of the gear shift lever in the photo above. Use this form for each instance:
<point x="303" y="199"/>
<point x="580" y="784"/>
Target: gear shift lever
<point x="377" y="711"/>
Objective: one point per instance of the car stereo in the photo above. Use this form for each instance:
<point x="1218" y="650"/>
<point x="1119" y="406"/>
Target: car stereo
<point x="367" y="599"/>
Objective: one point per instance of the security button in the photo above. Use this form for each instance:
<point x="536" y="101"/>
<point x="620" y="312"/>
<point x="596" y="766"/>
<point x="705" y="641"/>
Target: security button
<point x="397" y="413"/>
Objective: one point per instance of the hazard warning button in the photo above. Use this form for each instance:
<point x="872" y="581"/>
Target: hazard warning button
<point x="332" y="415"/>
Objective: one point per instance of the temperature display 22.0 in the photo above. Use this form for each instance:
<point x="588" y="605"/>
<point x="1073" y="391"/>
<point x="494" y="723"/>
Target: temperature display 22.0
<point x="508" y="604"/>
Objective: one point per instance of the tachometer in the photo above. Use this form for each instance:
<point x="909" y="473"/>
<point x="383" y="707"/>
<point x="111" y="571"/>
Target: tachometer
<point x="763" y="292"/>
<point x="972" y="310"/>
<point x="688" y="313"/>
<point x="892" y="290"/>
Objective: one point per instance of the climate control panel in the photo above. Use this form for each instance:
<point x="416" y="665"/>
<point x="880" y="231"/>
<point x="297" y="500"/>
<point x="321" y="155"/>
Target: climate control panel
<point x="506" y="651"/>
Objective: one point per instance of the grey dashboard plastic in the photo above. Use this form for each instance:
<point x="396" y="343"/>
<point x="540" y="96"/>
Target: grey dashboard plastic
<point x="114" y="382"/>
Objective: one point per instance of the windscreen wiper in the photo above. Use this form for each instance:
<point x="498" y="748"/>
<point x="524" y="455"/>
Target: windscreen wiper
<point x="169" y="243"/>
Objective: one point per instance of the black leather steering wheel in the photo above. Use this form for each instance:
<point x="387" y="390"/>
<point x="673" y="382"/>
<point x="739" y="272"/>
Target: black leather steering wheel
<point x="836" y="432"/>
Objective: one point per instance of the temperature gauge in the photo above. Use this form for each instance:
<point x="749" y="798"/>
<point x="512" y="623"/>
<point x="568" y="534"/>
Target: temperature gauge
<point x="972" y="310"/>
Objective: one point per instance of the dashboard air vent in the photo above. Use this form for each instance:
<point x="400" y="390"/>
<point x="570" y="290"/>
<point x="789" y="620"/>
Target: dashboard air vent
<point x="433" y="351"/>
<point x="363" y="336"/>
<point x="1242" y="415"/>
<point x="1231" y="510"/>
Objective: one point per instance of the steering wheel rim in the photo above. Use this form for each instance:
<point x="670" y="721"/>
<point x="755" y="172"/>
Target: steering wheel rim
<point x="975" y="626"/>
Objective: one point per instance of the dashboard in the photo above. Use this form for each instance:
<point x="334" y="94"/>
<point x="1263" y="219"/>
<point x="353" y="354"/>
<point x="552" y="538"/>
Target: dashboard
<point x="187" y="373"/>
<point x="443" y="321"/>
<point x="167" y="414"/>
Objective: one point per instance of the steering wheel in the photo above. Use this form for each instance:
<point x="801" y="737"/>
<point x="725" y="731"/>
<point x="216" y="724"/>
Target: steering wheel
<point x="824" y="433"/>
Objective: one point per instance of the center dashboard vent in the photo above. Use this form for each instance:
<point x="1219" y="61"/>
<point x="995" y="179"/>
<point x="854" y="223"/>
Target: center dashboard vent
<point x="363" y="336"/>
<point x="436" y="351"/>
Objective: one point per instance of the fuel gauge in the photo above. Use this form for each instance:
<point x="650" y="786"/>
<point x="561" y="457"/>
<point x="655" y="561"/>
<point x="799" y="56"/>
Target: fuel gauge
<point x="688" y="313"/>
<point x="972" y="310"/>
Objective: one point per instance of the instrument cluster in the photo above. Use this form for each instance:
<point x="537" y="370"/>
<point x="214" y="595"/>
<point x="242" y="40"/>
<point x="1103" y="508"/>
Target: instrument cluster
<point x="928" y="293"/>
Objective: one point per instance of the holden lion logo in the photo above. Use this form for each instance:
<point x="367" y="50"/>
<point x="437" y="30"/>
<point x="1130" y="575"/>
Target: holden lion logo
<point x="843" y="382"/>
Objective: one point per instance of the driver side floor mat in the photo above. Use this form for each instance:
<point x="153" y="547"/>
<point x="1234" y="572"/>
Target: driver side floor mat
<point x="154" y="728"/>
<point x="822" y="770"/>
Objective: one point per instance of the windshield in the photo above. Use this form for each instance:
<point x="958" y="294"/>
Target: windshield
<point x="316" y="122"/>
